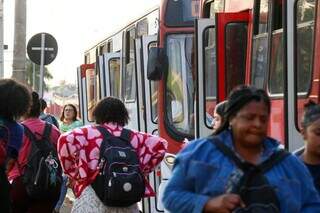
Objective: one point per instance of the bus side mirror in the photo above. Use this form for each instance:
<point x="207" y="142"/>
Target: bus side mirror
<point x="157" y="63"/>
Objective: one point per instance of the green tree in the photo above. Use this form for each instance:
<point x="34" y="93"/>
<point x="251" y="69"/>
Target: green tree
<point x="46" y="74"/>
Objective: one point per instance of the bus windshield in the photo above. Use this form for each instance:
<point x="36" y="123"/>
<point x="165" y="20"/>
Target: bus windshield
<point x="179" y="83"/>
<point x="181" y="13"/>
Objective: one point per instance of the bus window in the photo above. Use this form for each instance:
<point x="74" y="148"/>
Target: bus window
<point x="181" y="12"/>
<point x="213" y="7"/>
<point x="154" y="86"/>
<point x="236" y="50"/>
<point x="210" y="73"/>
<point x="260" y="45"/>
<point x="97" y="80"/>
<point x="276" y="78"/>
<point x="142" y="27"/>
<point x="304" y="51"/>
<point x="87" y="58"/>
<point x="276" y="81"/>
<point x="305" y="19"/>
<point x="114" y="67"/>
<point x="92" y="86"/>
<point x="103" y="49"/>
<point x="129" y="75"/>
<point x="179" y="83"/>
<point x="263" y="9"/>
<point x="109" y="46"/>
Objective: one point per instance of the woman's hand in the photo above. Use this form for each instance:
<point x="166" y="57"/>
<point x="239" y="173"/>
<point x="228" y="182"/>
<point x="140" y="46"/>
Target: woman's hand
<point x="225" y="203"/>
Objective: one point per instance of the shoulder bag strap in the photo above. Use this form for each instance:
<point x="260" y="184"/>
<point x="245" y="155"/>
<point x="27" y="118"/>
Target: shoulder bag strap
<point x="275" y="158"/>
<point x="32" y="137"/>
<point x="105" y="135"/>
<point x="29" y="133"/>
<point x="47" y="131"/>
<point x="126" y="134"/>
<point x="227" y="151"/>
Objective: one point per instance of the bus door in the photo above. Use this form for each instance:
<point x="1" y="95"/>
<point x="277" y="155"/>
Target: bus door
<point x="302" y="61"/>
<point x="100" y="70"/>
<point x="232" y="42"/>
<point x="88" y="86"/>
<point x="148" y="112"/>
<point x="129" y="78"/>
<point x="222" y="51"/>
<point x="111" y="75"/>
<point x="140" y="85"/>
<point x="150" y="87"/>
<point x="80" y="93"/>
<point x="206" y="76"/>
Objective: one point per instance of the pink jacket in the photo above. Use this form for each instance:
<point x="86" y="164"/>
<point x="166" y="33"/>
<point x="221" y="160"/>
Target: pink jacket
<point x="79" y="153"/>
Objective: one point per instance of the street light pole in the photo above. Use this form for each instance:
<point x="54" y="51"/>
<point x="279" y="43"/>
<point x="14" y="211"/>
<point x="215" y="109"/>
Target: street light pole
<point x="19" y="46"/>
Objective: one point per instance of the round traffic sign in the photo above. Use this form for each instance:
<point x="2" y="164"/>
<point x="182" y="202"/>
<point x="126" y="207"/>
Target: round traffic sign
<point x="45" y="42"/>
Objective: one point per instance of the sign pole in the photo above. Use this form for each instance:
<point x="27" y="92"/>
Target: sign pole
<point x="42" y="49"/>
<point x="33" y="76"/>
<point x="43" y="36"/>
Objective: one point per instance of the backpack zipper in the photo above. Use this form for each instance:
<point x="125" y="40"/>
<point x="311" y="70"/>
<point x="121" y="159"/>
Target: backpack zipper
<point x="38" y="172"/>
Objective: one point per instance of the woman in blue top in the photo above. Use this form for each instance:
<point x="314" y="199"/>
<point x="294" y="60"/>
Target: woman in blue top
<point x="311" y="134"/>
<point x="203" y="177"/>
<point x="68" y="121"/>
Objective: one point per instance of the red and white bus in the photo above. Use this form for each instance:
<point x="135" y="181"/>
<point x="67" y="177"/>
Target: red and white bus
<point x="171" y="67"/>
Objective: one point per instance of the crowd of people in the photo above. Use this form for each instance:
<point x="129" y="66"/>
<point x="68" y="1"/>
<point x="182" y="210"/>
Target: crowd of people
<point x="40" y="156"/>
<point x="236" y="169"/>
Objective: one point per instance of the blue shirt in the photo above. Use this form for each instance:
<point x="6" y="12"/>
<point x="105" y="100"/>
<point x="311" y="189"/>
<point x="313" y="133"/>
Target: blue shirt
<point x="202" y="172"/>
<point x="15" y="136"/>
<point x="49" y="118"/>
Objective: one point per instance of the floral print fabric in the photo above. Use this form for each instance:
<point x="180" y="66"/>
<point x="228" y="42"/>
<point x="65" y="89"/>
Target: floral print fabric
<point x="79" y="153"/>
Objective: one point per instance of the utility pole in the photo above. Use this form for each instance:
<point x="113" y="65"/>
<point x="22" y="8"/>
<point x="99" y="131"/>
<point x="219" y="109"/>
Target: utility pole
<point x="1" y="40"/>
<point x="19" y="46"/>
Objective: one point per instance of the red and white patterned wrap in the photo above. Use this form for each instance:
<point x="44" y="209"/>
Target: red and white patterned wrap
<point x="79" y="154"/>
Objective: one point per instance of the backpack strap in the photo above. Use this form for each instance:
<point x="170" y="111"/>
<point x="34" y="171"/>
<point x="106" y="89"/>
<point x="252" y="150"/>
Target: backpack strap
<point x="32" y="137"/>
<point x="275" y="158"/>
<point x="125" y="134"/>
<point x="105" y="135"/>
<point x="29" y="133"/>
<point x="228" y="152"/>
<point x="47" y="131"/>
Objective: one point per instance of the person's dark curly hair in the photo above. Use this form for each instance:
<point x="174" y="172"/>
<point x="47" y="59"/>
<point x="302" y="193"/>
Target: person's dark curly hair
<point x="15" y="99"/>
<point x="111" y="109"/>
<point x="35" y="108"/>
<point x="43" y="104"/>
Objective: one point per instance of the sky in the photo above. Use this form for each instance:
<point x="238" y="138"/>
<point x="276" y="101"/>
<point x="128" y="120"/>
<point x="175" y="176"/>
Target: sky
<point x="76" y="25"/>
